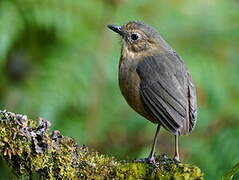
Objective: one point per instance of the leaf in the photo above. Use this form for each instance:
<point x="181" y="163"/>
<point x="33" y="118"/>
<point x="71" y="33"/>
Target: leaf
<point x="229" y="175"/>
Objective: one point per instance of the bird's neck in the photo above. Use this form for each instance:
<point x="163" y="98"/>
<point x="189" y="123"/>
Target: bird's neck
<point x="127" y="53"/>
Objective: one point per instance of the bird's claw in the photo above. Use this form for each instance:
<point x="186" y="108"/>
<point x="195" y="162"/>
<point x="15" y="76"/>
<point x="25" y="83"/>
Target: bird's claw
<point x="176" y="159"/>
<point x="148" y="160"/>
<point x="157" y="160"/>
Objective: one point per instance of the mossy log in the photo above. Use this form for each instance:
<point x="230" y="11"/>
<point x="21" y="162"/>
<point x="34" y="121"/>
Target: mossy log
<point x="30" y="150"/>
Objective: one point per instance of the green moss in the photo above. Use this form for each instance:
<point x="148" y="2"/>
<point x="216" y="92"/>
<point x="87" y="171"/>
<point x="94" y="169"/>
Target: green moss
<point x="132" y="171"/>
<point x="145" y="171"/>
<point x="29" y="148"/>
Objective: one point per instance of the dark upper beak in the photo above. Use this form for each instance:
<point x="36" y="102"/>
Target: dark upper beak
<point x="117" y="29"/>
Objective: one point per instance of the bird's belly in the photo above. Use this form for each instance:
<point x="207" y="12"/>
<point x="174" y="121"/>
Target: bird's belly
<point x="129" y="83"/>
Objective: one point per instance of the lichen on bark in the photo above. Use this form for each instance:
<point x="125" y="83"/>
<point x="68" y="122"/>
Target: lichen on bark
<point x="30" y="148"/>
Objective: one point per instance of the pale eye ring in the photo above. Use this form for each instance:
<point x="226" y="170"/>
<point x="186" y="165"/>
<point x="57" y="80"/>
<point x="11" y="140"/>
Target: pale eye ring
<point x="135" y="36"/>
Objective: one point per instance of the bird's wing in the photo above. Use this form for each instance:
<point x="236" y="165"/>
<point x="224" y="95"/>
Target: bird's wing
<point x="192" y="103"/>
<point x="165" y="90"/>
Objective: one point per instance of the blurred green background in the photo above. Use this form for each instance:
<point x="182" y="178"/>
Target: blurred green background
<point x="59" y="61"/>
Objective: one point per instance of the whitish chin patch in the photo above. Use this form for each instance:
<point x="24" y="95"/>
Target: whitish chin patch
<point x="126" y="52"/>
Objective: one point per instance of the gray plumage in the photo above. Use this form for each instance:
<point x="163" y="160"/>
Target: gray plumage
<point x="167" y="91"/>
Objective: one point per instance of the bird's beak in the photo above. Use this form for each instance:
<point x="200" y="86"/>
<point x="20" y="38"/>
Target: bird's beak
<point x="115" y="28"/>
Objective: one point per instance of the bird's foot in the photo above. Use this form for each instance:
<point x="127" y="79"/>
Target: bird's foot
<point x="176" y="159"/>
<point x="158" y="160"/>
<point x="149" y="160"/>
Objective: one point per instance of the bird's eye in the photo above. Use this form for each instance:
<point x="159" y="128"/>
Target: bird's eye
<point x="135" y="36"/>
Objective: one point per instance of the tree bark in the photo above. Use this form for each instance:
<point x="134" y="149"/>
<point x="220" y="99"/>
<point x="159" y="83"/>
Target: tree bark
<point x="31" y="150"/>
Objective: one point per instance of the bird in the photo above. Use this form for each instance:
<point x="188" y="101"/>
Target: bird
<point x="155" y="82"/>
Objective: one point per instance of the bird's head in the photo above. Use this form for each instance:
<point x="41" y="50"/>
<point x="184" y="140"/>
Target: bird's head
<point x="139" y="38"/>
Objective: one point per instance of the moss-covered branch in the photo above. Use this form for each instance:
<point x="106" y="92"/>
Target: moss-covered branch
<point x="29" y="148"/>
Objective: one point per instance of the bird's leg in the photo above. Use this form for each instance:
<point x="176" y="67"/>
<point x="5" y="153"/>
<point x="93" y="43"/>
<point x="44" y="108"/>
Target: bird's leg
<point x="176" y="155"/>
<point x="151" y="155"/>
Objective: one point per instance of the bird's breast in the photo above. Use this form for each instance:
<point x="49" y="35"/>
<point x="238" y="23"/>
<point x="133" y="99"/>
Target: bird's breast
<point x="129" y="83"/>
